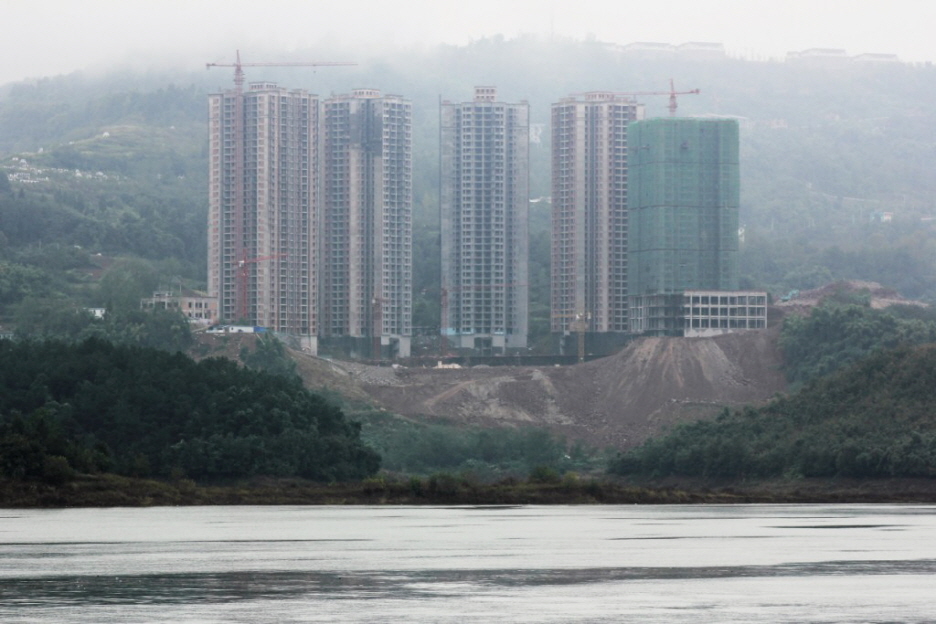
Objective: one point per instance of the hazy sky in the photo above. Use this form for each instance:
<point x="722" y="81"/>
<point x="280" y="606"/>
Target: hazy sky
<point x="50" y="37"/>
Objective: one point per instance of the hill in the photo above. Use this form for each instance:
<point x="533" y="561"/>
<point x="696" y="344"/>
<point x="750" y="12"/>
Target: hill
<point x="618" y="401"/>
<point x="96" y="406"/>
<point x="834" y="177"/>
<point x="871" y="420"/>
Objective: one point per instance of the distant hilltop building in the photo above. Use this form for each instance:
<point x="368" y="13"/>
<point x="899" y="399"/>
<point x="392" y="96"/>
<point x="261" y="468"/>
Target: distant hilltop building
<point x="196" y="306"/>
<point x="485" y="202"/>
<point x="689" y="51"/>
<point x="835" y="56"/>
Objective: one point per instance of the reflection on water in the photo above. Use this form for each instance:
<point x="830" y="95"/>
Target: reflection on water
<point x="517" y="564"/>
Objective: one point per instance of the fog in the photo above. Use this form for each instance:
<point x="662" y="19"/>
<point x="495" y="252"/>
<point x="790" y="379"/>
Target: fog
<point x="52" y="37"/>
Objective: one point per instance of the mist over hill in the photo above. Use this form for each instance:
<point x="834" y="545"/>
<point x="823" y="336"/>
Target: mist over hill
<point x="835" y="159"/>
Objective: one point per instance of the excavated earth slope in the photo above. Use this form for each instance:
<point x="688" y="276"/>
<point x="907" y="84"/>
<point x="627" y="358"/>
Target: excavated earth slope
<point x="616" y="401"/>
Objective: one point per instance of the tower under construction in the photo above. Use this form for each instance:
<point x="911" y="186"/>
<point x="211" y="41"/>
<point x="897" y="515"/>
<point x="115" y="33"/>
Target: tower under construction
<point x="263" y="204"/>
<point x="684" y="202"/>
<point x="589" y="281"/>
<point x="367" y="226"/>
<point x="484" y="223"/>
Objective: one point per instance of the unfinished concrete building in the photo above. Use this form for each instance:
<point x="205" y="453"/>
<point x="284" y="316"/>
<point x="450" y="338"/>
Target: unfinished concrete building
<point x="683" y="246"/>
<point x="589" y="281"/>
<point x="367" y="227"/>
<point x="263" y="205"/>
<point x="484" y="223"/>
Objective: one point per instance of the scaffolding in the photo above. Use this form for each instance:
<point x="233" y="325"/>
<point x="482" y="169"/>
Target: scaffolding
<point x="684" y="196"/>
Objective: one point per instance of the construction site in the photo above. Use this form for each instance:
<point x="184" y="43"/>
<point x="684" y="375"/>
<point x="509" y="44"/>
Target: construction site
<point x="616" y="401"/>
<point x="311" y="221"/>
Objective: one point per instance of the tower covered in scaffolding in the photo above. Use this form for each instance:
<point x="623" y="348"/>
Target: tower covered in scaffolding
<point x="484" y="223"/>
<point x="684" y="205"/>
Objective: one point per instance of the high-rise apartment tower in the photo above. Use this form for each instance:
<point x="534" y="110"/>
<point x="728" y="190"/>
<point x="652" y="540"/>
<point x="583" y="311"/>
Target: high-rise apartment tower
<point x="589" y="278"/>
<point x="367" y="239"/>
<point x="263" y="207"/>
<point x="485" y="158"/>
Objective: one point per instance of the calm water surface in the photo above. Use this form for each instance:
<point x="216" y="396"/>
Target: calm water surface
<point x="765" y="563"/>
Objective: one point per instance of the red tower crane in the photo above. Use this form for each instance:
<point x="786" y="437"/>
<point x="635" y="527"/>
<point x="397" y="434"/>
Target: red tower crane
<point x="239" y="243"/>
<point x="672" y="93"/>
<point x="239" y="67"/>
<point x="243" y="278"/>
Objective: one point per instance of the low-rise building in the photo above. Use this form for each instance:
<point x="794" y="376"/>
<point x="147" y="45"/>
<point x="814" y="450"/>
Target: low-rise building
<point x="197" y="306"/>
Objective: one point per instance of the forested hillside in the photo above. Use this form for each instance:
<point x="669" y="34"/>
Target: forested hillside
<point x="862" y="406"/>
<point x="873" y="419"/>
<point x="100" y="407"/>
<point x="824" y="150"/>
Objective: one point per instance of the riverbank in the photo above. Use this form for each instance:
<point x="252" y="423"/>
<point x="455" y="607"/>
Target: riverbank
<point x="116" y="491"/>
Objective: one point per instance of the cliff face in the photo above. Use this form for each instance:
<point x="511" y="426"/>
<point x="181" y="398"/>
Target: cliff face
<point x="617" y="401"/>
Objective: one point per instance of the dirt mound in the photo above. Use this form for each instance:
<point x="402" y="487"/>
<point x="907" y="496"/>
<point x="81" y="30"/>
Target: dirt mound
<point x="617" y="401"/>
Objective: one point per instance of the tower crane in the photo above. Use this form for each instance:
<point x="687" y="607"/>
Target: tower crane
<point x="579" y="324"/>
<point x="239" y="67"/>
<point x="672" y="93"/>
<point x="243" y="277"/>
<point x="243" y="272"/>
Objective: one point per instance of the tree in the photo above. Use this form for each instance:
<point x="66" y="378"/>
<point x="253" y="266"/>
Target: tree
<point x="125" y="283"/>
<point x="5" y="187"/>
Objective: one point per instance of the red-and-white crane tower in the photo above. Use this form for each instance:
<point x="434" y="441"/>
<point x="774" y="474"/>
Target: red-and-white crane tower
<point x="672" y="93"/>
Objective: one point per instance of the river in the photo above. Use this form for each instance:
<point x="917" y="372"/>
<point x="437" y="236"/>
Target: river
<point x="634" y="563"/>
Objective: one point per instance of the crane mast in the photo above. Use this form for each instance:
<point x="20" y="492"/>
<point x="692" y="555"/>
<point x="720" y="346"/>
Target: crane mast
<point x="672" y="93"/>
<point x="241" y="283"/>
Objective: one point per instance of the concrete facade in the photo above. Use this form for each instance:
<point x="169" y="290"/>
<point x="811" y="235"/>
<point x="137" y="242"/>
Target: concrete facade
<point x="367" y="240"/>
<point x="589" y="205"/>
<point x="263" y="208"/>
<point x="485" y="223"/>
<point x="699" y="313"/>
<point x="197" y="306"/>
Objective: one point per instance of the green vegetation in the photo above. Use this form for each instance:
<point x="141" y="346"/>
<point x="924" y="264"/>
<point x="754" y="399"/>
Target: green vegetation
<point x="873" y="419"/>
<point x="98" y="406"/>
<point x="480" y="454"/>
<point x="822" y="152"/>
<point x="842" y="331"/>
<point x="863" y="408"/>
<point x="60" y="320"/>
<point x="443" y="448"/>
<point x="269" y="356"/>
<point x="108" y="490"/>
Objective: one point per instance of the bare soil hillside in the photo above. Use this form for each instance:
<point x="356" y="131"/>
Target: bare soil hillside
<point x="617" y="401"/>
